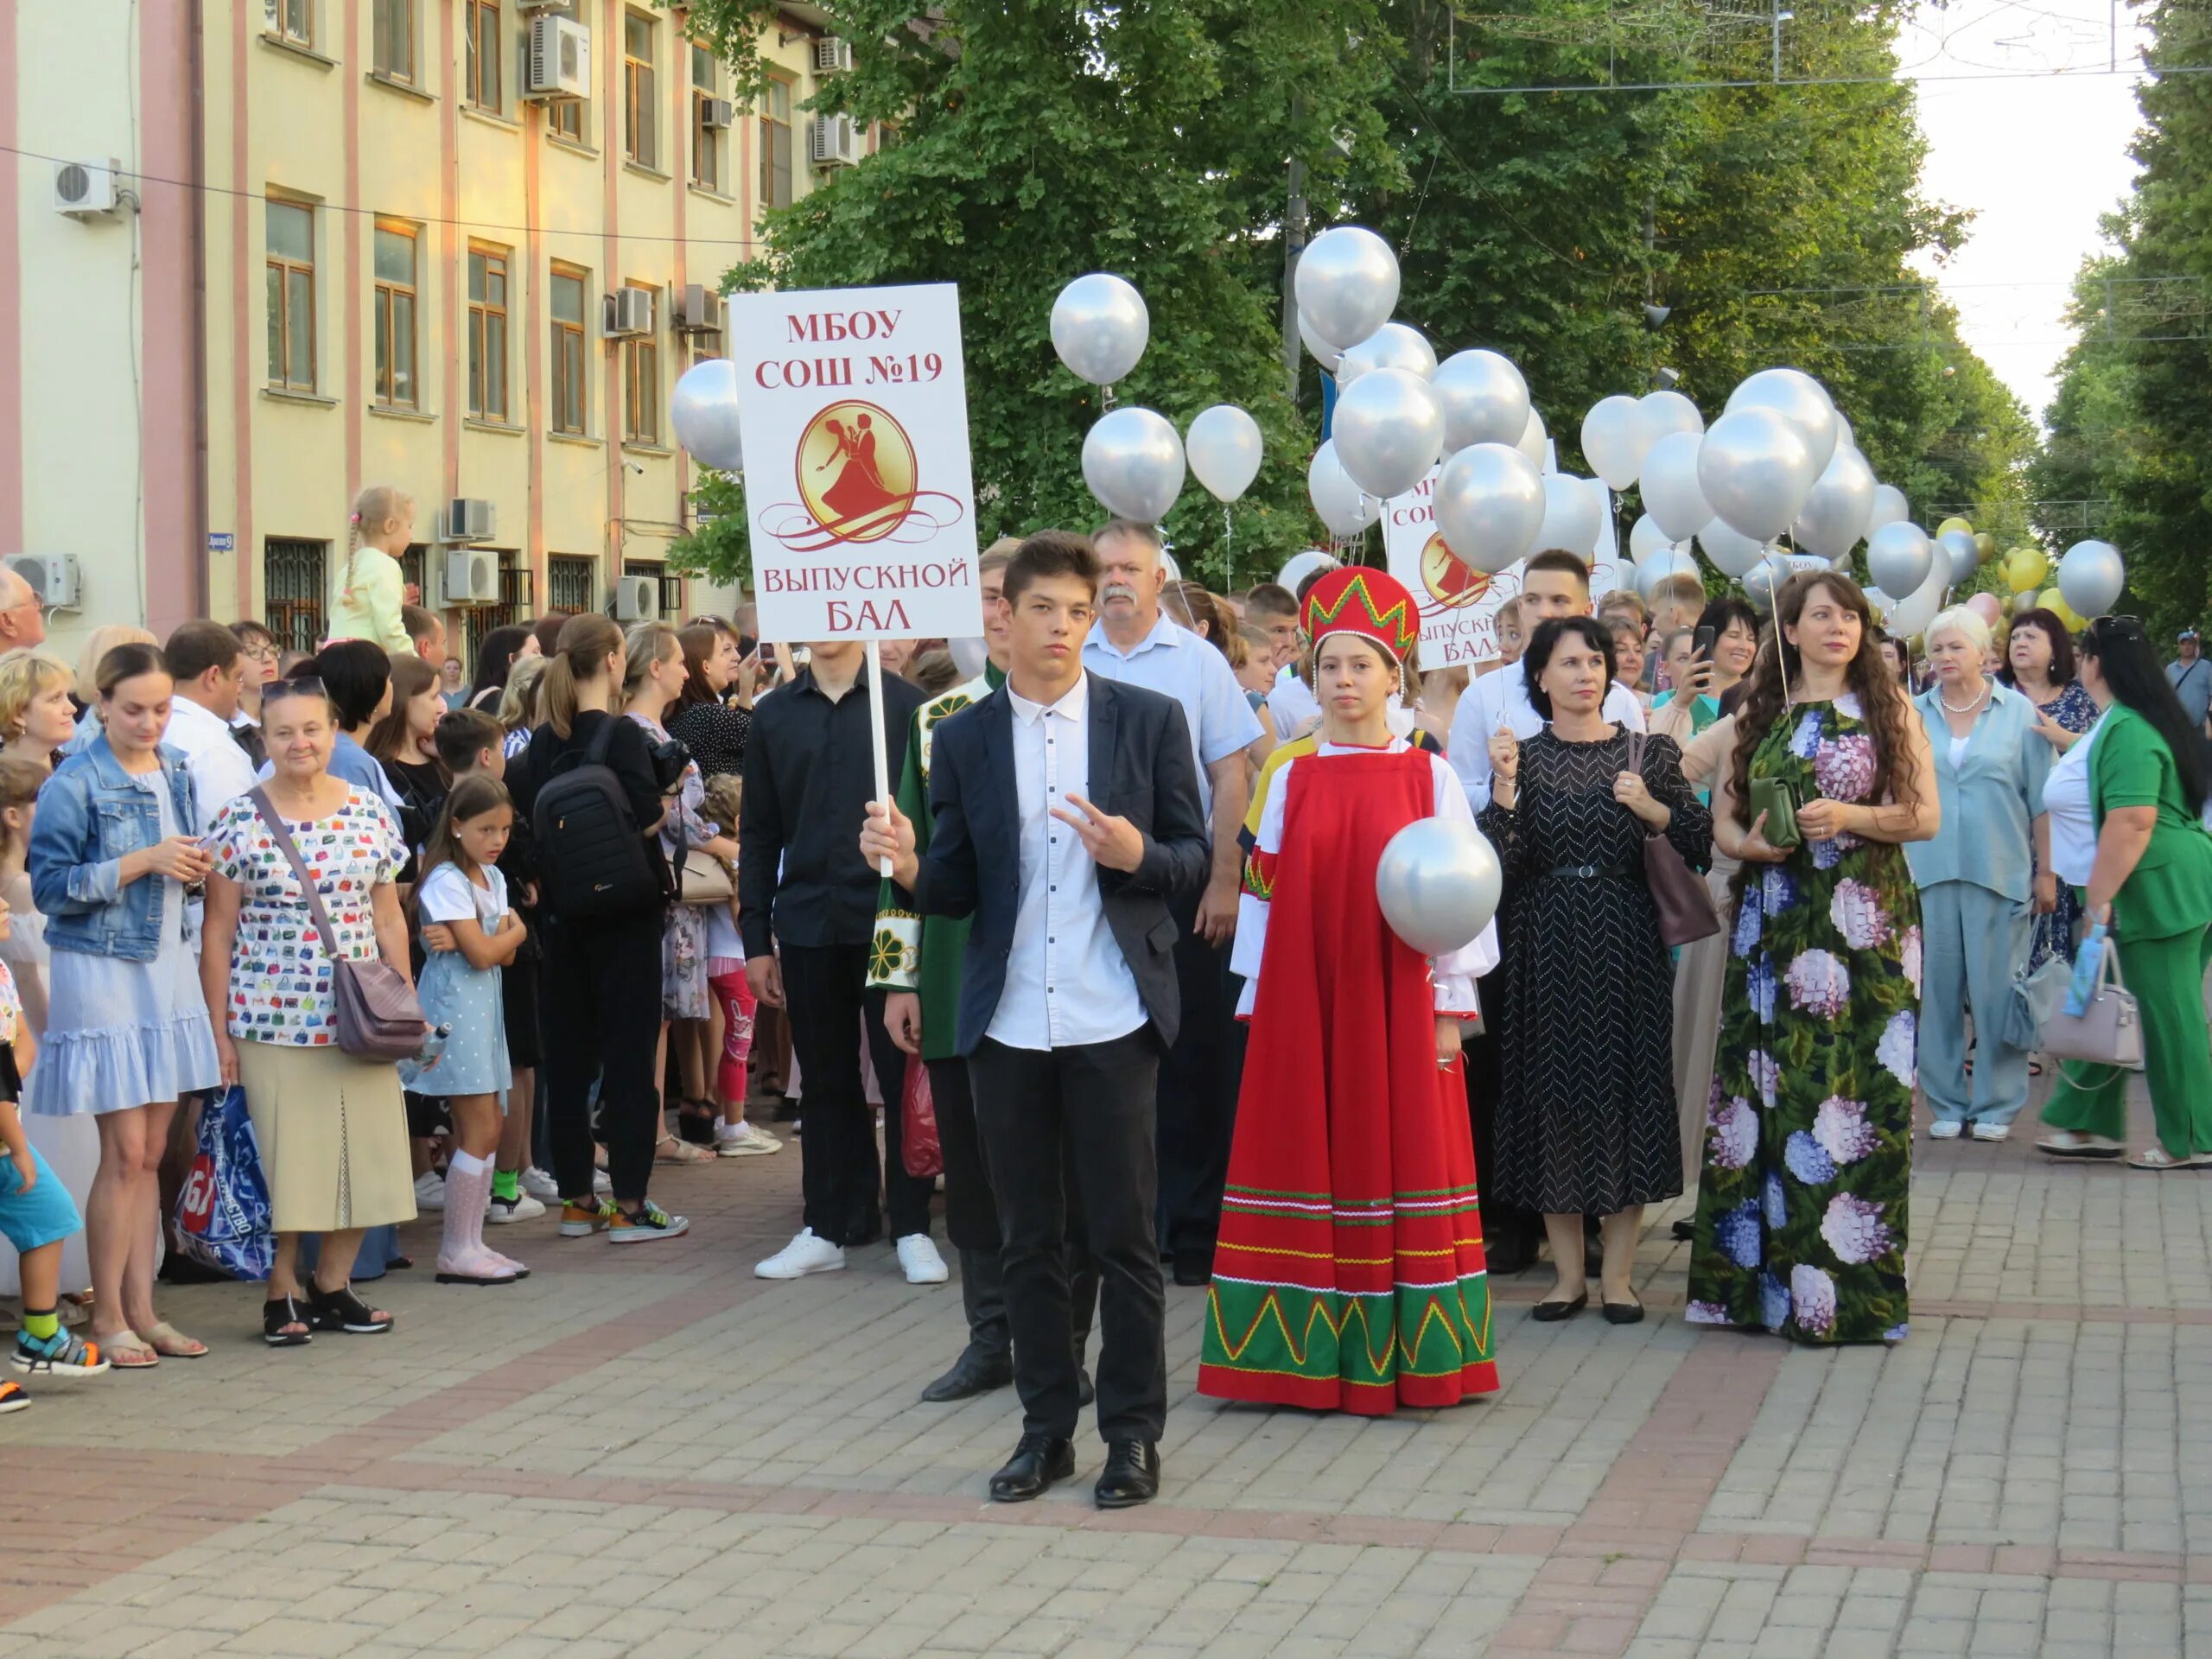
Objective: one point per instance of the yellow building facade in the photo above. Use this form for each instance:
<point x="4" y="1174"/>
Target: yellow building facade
<point x="460" y="246"/>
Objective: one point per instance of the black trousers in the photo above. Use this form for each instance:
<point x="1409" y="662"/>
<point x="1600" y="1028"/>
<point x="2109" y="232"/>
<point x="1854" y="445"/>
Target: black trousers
<point x="1503" y="1224"/>
<point x="826" y="994"/>
<point x="1068" y="1136"/>
<point x="1199" y="1078"/>
<point x="599" y="1011"/>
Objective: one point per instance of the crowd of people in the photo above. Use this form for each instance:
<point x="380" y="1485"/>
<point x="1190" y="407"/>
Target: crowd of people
<point x="1116" y="937"/>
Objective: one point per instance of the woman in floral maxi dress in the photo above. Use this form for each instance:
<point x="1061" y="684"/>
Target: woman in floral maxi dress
<point x="1801" y="1203"/>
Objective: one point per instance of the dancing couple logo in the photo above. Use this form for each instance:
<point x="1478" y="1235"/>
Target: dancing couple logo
<point x="859" y="480"/>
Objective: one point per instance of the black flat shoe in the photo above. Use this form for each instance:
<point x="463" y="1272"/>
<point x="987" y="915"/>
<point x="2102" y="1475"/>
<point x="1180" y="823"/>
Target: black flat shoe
<point x="1511" y="1255"/>
<point x="1131" y="1476"/>
<point x="1192" y="1273"/>
<point x="1085" y="1393"/>
<point x="1685" y="1230"/>
<point x="1630" y="1312"/>
<point x="1038" y="1461"/>
<point x="975" y="1372"/>
<point x="1553" y="1313"/>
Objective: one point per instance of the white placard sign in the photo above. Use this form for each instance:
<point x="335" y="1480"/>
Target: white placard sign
<point x="1458" y="607"/>
<point x="852" y="407"/>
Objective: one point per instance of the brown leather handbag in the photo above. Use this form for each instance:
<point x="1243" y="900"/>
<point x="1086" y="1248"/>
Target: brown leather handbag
<point x="1678" y="893"/>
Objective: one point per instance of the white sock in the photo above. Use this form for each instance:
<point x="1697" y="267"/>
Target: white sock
<point x="466" y="1164"/>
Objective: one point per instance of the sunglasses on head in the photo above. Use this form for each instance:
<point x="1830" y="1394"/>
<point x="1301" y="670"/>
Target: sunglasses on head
<point x="300" y="685"/>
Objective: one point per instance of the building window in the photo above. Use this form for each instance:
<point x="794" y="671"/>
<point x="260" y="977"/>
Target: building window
<point x="481" y="32"/>
<point x="292" y="577"/>
<point x="776" y="144"/>
<point x="571" y="395"/>
<point x="706" y="141"/>
<point x="487" y="333"/>
<point x="392" y="42"/>
<point x="569" y="586"/>
<point x="513" y="607"/>
<point x="640" y="112"/>
<point x="291" y="296"/>
<point x="704" y="347"/>
<point x="641" y="381"/>
<point x="394" y="305"/>
<point x="564" y="117"/>
<point x="290" y="20"/>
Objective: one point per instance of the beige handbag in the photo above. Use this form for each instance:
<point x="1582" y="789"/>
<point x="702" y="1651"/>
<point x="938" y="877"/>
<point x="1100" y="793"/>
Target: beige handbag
<point x="2108" y="1032"/>
<point x="703" y="880"/>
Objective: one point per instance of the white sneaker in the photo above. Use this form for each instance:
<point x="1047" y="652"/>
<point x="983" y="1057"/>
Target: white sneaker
<point x="429" y="1190"/>
<point x="919" y="1257"/>
<point x="803" y="1254"/>
<point x="539" y="1185"/>
<point x="744" y="1140"/>
<point x="1992" y="1131"/>
<point x="521" y="1207"/>
<point x="1944" y="1129"/>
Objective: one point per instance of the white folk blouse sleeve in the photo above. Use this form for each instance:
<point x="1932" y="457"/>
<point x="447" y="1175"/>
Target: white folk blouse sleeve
<point x="1252" y="904"/>
<point x="1457" y="972"/>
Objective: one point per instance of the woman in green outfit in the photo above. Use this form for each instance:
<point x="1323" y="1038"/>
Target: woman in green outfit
<point x="2152" y="884"/>
<point x="1801" y="1208"/>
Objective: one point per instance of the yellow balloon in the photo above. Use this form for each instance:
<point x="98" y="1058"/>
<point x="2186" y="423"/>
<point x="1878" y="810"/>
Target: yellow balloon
<point x="2055" y="602"/>
<point x="1951" y="523"/>
<point x="2025" y="567"/>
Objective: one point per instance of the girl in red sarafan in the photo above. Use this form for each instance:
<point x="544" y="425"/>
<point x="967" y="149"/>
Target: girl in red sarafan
<point x="1350" y="1273"/>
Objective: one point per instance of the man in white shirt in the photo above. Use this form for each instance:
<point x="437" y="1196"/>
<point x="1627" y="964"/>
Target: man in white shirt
<point x="206" y="663"/>
<point x="22" y="619"/>
<point x="1555" y="584"/>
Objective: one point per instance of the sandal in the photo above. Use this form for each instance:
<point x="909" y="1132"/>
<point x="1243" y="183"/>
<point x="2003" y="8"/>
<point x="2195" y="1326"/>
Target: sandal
<point x="172" y="1344"/>
<point x="670" y="1150"/>
<point x="2157" y="1158"/>
<point x="127" y="1351"/>
<point x="341" y="1310"/>
<point x="278" y="1315"/>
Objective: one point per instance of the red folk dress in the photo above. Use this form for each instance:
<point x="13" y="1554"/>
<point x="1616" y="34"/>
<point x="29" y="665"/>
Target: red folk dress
<point x="1349" y="1275"/>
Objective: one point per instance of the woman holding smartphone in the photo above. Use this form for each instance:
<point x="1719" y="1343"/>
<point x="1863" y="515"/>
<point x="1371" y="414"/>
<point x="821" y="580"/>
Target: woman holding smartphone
<point x="1801" y="1213"/>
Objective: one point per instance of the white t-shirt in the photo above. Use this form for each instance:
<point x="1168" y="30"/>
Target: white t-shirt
<point x="2073" y="825"/>
<point x="722" y="939"/>
<point x="446" y="895"/>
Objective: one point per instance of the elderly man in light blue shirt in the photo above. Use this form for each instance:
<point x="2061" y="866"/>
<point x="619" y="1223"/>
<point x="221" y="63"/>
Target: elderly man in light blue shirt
<point x="1982" y="879"/>
<point x="1135" y="642"/>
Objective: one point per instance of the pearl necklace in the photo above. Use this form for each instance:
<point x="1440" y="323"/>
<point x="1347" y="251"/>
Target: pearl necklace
<point x="1970" y="707"/>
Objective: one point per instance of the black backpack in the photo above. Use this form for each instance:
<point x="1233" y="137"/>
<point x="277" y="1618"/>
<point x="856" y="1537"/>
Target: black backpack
<point x="591" y="859"/>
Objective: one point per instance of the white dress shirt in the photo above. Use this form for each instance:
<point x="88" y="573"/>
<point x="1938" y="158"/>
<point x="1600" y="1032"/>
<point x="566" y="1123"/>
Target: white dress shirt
<point x="1290" y="704"/>
<point x="1067" y="983"/>
<point x="1505" y="695"/>
<point x="1176" y="662"/>
<point x="220" y="770"/>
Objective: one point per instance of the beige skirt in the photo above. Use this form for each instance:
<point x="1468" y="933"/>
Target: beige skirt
<point x="333" y="1133"/>
<point x="1698" y="971"/>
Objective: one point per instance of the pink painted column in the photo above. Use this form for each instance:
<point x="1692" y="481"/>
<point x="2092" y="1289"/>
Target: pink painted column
<point x="354" y="394"/>
<point x="176" y="526"/>
<point x="611" y="278"/>
<point x="243" y="378"/>
<point x="453" y="248"/>
<point x="11" y="300"/>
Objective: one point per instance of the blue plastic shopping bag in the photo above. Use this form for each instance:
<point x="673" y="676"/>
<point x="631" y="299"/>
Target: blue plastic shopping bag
<point x="222" y="1214"/>
<point x="2088" y="967"/>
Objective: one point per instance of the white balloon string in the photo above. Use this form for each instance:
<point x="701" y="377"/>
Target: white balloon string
<point x="1228" y="546"/>
<point x="1105" y="399"/>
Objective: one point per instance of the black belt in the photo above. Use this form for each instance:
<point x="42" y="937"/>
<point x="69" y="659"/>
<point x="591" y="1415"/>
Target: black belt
<point x="1586" y="871"/>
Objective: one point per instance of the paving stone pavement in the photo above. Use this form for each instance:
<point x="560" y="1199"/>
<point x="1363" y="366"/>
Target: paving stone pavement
<point x="646" y="1450"/>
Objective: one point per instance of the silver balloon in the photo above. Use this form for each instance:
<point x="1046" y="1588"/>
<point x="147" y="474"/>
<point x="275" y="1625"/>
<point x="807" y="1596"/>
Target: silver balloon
<point x="1394" y="345"/>
<point x="1845" y="437"/>
<point x="1168" y="567"/>
<point x="1387" y="430"/>
<point x="1484" y="398"/>
<point x="1732" y="553"/>
<point x="1133" y="461"/>
<point x="1754" y="467"/>
<point x="1801" y="400"/>
<point x="1343" y="506"/>
<point x="1958" y="547"/>
<point x="1661" y="414"/>
<point x="1898" y="557"/>
<point x="1223" y="448"/>
<point x="1612" y="441"/>
<point x="1574" y="511"/>
<point x="1890" y="507"/>
<point x="1535" y="443"/>
<point x="1837" y="507"/>
<point x="1912" y="614"/>
<point x="702" y="409"/>
<point x="1763" y="581"/>
<point x="1438" y="881"/>
<point x="2091" y="576"/>
<point x="1663" y="567"/>
<point x="1646" y="539"/>
<point x="1490" y="504"/>
<point x="1326" y="353"/>
<point x="1671" y="493"/>
<point x="2023" y="603"/>
<point x="1347" y="283"/>
<point x="970" y="657"/>
<point x="1298" y="566"/>
<point x="1100" y="327"/>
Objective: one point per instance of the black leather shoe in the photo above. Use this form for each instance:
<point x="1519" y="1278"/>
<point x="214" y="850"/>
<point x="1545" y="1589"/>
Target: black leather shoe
<point x="1514" y="1252"/>
<point x="1084" y="1393"/>
<point x="1190" y="1271"/>
<point x="1131" y="1476"/>
<point x="1038" y="1461"/>
<point x="975" y="1372"/>
<point x="1685" y="1230"/>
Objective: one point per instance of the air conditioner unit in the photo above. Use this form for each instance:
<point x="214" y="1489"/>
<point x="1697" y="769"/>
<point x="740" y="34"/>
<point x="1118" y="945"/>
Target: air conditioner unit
<point x="52" y="576"/>
<point x="466" y="519"/>
<point x="700" y="311"/>
<point x="832" y="56"/>
<point x="833" y="140"/>
<point x="637" y="598"/>
<point x="88" y="189"/>
<point x="473" y="577"/>
<point x="717" y="114"/>
<point x="560" y="59"/>
<point x="627" y="313"/>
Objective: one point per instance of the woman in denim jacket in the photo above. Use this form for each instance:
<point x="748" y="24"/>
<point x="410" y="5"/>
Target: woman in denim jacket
<point x="127" y="1031"/>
